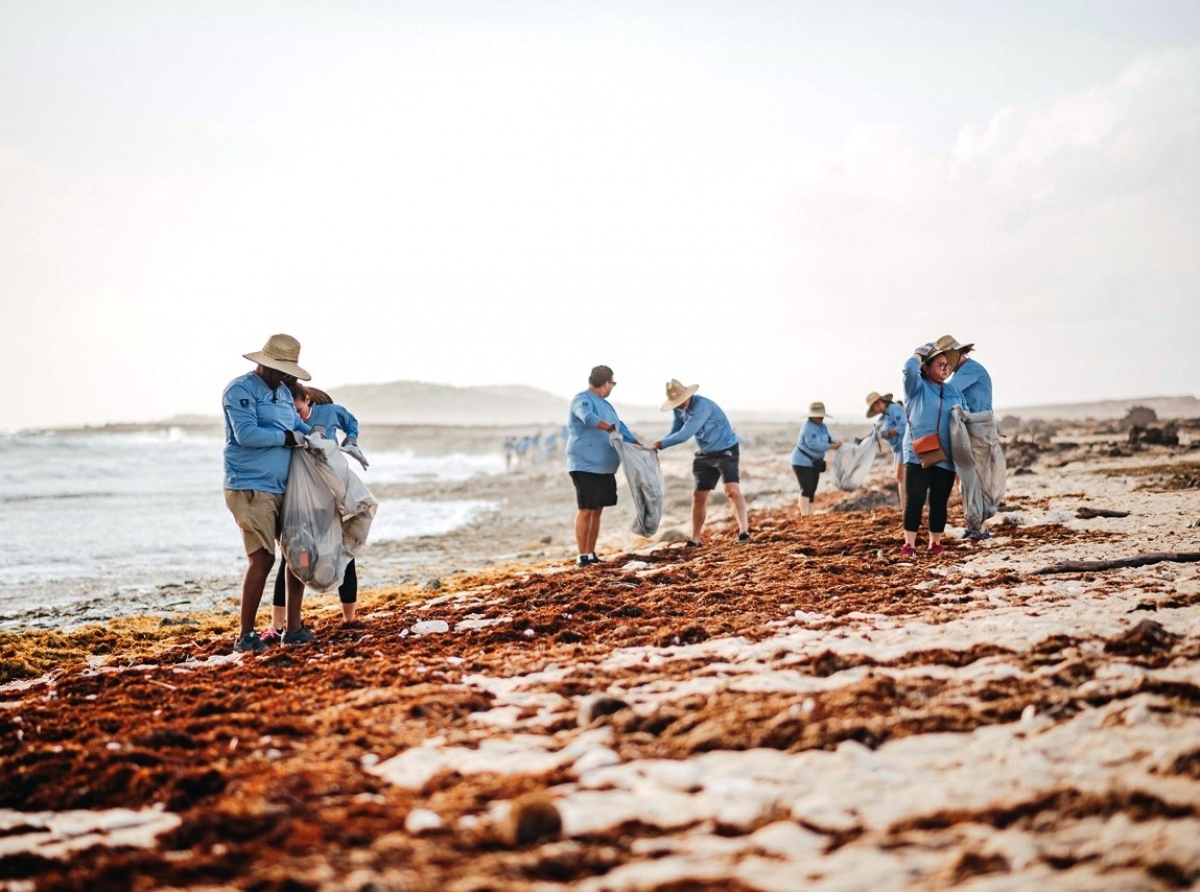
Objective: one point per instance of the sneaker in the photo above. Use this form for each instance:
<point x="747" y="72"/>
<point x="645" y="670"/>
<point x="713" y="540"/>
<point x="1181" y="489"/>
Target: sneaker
<point x="744" y="537"/>
<point x="271" y="635"/>
<point x="907" y="550"/>
<point x="582" y="561"/>
<point x="936" y="548"/>
<point x="301" y="636"/>
<point x="691" y="543"/>
<point x="593" y="558"/>
<point x="249" y="643"/>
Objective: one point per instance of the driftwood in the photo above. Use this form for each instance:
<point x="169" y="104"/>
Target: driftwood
<point x="1099" y="512"/>
<point x="1180" y="557"/>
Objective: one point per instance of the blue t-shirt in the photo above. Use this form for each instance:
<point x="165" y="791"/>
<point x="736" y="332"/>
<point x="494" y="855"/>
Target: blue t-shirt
<point x="588" y="447"/>
<point x="334" y="418"/>
<point x="928" y="406"/>
<point x="256" y="419"/>
<point x="705" y="421"/>
<point x="975" y="384"/>
<point x="892" y="418"/>
<point x="812" y="443"/>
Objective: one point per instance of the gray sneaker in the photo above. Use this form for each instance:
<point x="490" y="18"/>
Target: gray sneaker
<point x="301" y="636"/>
<point x="249" y="643"/>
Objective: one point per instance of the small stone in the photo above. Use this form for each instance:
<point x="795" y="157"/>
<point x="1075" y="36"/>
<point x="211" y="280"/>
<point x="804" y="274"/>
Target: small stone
<point x="532" y="818"/>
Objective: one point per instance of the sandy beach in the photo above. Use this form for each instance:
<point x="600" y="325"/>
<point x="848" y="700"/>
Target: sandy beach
<point x="803" y="711"/>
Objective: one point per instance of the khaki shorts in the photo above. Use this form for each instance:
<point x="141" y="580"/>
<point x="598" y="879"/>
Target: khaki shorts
<point x="257" y="515"/>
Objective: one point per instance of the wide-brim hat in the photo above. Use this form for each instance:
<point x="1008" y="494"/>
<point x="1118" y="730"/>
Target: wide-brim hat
<point x="280" y="353"/>
<point x="954" y="350"/>
<point x="872" y="398"/>
<point x="817" y="410"/>
<point x="677" y="394"/>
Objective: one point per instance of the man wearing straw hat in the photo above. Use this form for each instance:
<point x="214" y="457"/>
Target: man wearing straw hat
<point x="699" y="417"/>
<point x="261" y="424"/>
<point x="892" y="424"/>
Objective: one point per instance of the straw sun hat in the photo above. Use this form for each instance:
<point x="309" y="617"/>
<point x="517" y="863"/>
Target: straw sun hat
<point x="817" y="410"/>
<point x="280" y="353"/>
<point x="871" y="399"/>
<point x="677" y="394"/>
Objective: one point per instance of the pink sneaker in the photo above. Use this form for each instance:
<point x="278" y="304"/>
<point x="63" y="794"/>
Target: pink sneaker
<point x="271" y="635"/>
<point x="907" y="550"/>
<point x="936" y="548"/>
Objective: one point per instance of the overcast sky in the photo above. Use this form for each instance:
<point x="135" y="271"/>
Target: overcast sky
<point x="775" y="200"/>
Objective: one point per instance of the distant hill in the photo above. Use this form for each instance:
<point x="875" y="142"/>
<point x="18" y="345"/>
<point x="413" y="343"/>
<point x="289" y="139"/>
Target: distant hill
<point x="1164" y="406"/>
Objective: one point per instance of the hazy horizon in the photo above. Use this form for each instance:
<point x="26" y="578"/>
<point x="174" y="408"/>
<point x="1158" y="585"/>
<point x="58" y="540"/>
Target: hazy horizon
<point x="775" y="201"/>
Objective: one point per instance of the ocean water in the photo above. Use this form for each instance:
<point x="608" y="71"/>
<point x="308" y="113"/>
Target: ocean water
<point x="88" y="518"/>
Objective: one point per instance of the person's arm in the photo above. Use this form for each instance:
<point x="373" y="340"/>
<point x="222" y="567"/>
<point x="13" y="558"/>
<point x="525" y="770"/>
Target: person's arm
<point x="241" y="408"/>
<point x="681" y="430"/>
<point x="348" y="423"/>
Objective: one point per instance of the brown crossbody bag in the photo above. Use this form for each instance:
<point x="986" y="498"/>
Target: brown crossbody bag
<point x="929" y="448"/>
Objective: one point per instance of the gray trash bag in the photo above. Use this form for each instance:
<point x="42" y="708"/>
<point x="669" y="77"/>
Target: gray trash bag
<point x="327" y="513"/>
<point x="852" y="462"/>
<point x="644" y="475"/>
<point x="979" y="461"/>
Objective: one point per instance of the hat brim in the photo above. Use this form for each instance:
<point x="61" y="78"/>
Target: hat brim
<point x="280" y="365"/>
<point x="679" y="400"/>
<point x="885" y="397"/>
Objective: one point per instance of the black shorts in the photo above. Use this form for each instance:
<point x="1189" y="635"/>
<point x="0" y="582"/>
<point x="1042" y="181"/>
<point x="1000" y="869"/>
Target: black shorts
<point x="709" y="467"/>
<point x="594" y="490"/>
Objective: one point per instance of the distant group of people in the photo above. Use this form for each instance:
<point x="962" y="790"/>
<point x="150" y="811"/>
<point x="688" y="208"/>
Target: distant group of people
<point x="268" y="412"/>
<point x="938" y="376"/>
<point x="532" y="449"/>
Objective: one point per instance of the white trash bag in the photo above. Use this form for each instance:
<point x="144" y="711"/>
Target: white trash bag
<point x="644" y="475"/>
<point x="852" y="462"/>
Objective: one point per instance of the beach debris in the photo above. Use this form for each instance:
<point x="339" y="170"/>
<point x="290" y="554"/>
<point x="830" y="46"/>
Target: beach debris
<point x="596" y="706"/>
<point x="1183" y="557"/>
<point x="422" y="820"/>
<point x="531" y="818"/>
<point x="1145" y="638"/>
<point x="1087" y="513"/>
<point x="431" y="627"/>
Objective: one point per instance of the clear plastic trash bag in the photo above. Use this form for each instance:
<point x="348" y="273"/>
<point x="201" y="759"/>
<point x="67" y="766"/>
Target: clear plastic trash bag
<point x="979" y="461"/>
<point x="644" y="475"/>
<point x="327" y="514"/>
<point x="852" y="462"/>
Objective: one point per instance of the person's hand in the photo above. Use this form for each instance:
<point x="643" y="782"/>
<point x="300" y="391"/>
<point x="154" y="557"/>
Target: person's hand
<point x="657" y="445"/>
<point x="352" y="450"/>
<point x="924" y="350"/>
<point x="294" y="439"/>
<point x="835" y="445"/>
<point x="606" y="426"/>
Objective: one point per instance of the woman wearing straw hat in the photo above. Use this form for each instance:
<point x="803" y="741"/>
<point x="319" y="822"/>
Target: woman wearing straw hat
<point x="928" y="466"/>
<point x="261" y="423"/>
<point x="969" y="376"/>
<point x="892" y="424"/>
<point x="808" y="458"/>
<point x="699" y="417"/>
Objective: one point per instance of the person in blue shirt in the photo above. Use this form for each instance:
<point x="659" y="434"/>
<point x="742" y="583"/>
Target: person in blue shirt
<point x="969" y="376"/>
<point x="808" y="457"/>
<point x="324" y="417"/>
<point x="592" y="461"/>
<point x="261" y="424"/>
<point x="717" y="458"/>
<point x="892" y="424"/>
<point x="928" y="400"/>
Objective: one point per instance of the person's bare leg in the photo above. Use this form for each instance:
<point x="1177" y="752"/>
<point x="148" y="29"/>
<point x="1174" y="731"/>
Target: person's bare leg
<point x="699" y="512"/>
<point x="295" y="600"/>
<point x="587" y="529"/>
<point x="348" y="611"/>
<point x="910" y="539"/>
<point x="593" y="532"/>
<point x="253" y="584"/>
<point x="737" y="501"/>
<point x="900" y="483"/>
<point x="805" y="506"/>
<point x="278" y="616"/>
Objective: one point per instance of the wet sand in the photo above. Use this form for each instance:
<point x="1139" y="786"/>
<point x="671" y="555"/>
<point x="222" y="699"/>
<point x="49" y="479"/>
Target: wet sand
<point x="803" y="711"/>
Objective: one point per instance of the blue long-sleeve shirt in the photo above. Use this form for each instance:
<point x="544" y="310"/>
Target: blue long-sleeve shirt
<point x="334" y="418"/>
<point x="256" y="421"/>
<point x="975" y="384"/>
<point x="703" y="420"/>
<point x="921" y="400"/>
<point x="892" y="418"/>
<point x="812" y="443"/>
<point x="588" y="447"/>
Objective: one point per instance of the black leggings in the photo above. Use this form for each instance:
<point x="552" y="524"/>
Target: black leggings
<point x="935" y="482"/>
<point x="347" y="591"/>
<point x="808" y="478"/>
